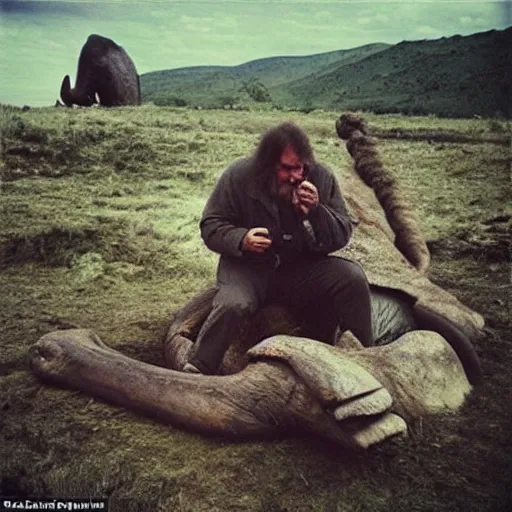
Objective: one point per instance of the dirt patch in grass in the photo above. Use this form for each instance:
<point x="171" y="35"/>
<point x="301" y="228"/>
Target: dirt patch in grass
<point x="433" y="136"/>
<point x="60" y="245"/>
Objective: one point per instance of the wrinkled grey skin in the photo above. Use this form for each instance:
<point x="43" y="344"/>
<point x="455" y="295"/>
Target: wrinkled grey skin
<point x="106" y="74"/>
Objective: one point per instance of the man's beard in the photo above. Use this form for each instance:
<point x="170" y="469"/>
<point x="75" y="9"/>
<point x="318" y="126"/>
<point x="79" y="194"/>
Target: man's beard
<point x="285" y="192"/>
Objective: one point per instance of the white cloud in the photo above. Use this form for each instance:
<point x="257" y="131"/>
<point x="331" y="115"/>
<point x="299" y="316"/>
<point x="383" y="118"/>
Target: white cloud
<point x="227" y="22"/>
<point x="185" y="19"/>
<point x="323" y="16"/>
<point x="426" y="31"/>
<point x="466" y="20"/>
<point x="373" y="19"/>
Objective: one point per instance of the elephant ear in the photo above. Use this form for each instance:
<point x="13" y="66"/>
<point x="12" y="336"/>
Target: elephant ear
<point x="332" y="377"/>
<point x="66" y="93"/>
<point x="357" y="400"/>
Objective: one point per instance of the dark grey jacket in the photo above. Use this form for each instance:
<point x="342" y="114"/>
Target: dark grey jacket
<point x="241" y="200"/>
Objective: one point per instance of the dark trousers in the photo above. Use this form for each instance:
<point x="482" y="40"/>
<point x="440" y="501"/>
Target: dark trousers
<point x="329" y="292"/>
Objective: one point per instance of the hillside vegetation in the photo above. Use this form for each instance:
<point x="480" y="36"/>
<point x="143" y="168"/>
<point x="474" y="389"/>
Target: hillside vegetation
<point x="211" y="86"/>
<point x="450" y="77"/>
<point x="100" y="211"/>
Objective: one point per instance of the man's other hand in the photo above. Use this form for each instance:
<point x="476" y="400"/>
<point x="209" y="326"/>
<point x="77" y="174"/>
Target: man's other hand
<point x="256" y="240"/>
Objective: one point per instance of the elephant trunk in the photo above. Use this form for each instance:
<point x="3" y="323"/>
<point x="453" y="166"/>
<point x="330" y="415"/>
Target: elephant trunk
<point x="75" y="96"/>
<point x="66" y="93"/>
<point x="409" y="239"/>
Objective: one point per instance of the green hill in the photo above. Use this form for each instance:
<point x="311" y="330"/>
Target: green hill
<point x="214" y="85"/>
<point x="453" y="77"/>
<point x="456" y="76"/>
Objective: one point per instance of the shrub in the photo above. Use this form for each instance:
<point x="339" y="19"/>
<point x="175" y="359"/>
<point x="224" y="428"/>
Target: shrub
<point x="495" y="126"/>
<point x="169" y="101"/>
<point x="256" y="90"/>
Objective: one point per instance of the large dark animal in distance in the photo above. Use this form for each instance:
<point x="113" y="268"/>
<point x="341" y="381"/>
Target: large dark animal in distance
<point x="104" y="70"/>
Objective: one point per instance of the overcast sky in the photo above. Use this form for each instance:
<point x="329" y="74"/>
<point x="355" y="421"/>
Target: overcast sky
<point x="40" y="41"/>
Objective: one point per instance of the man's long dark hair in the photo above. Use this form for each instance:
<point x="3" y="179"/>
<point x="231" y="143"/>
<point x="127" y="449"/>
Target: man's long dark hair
<point x="273" y="143"/>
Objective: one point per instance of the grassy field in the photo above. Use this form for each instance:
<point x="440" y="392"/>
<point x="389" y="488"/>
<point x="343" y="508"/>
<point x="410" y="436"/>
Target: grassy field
<point x="99" y="229"/>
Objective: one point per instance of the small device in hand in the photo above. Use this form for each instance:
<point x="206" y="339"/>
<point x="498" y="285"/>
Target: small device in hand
<point x="280" y="239"/>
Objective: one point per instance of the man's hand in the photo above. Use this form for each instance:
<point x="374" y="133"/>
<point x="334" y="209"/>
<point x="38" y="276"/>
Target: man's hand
<point x="256" y="240"/>
<point x="305" y="197"/>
